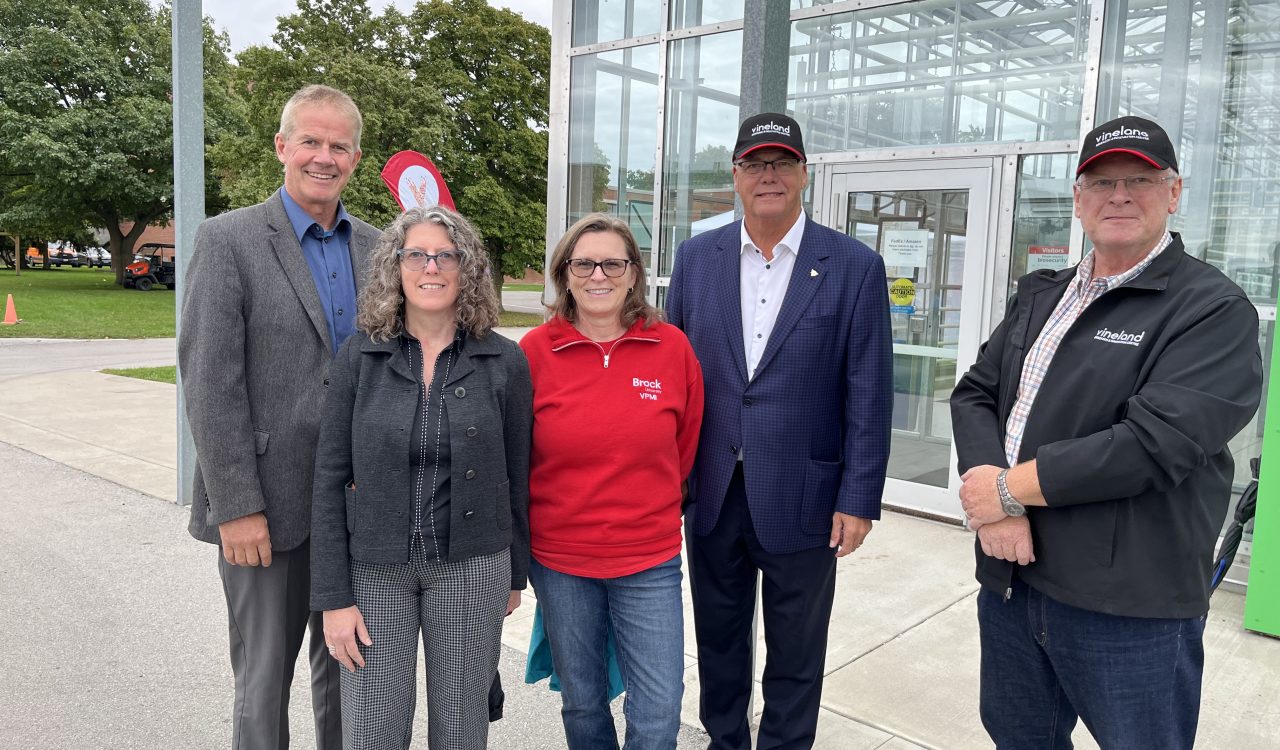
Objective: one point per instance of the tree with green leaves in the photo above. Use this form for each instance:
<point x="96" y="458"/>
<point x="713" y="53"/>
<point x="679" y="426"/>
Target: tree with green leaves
<point x="339" y="43"/>
<point x="86" y="118"/>
<point x="493" y="69"/>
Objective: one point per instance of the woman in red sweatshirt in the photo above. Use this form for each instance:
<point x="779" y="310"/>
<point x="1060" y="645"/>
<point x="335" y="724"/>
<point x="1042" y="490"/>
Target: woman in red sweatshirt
<point x="617" y="405"/>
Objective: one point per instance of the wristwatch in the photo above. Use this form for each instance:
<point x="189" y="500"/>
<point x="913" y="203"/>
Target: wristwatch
<point x="1012" y="508"/>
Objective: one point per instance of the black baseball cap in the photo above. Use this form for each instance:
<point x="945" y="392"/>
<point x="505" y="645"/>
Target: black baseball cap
<point x="1135" y="136"/>
<point x="769" y="130"/>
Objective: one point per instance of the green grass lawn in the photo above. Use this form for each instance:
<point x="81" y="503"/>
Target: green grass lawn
<point x="522" y="288"/>
<point x="84" y="303"/>
<point x="519" y="319"/>
<point x="159" y="374"/>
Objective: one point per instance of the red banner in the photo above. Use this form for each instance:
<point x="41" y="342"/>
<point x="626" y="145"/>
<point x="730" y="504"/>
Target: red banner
<point x="414" y="181"/>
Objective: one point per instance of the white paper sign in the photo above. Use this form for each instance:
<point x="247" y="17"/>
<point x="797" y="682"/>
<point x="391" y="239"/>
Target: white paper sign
<point x="905" y="247"/>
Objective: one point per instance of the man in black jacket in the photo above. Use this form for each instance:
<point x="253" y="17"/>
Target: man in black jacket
<point x="1092" y="438"/>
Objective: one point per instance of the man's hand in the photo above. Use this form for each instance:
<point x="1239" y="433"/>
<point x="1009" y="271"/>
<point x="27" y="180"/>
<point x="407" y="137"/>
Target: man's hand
<point x="246" y="541"/>
<point x="1009" y="539"/>
<point x="979" y="496"/>
<point x="513" y="601"/>
<point x="341" y="626"/>
<point x="847" y="532"/>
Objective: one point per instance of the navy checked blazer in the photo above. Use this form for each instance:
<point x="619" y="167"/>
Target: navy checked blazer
<point x="814" y="421"/>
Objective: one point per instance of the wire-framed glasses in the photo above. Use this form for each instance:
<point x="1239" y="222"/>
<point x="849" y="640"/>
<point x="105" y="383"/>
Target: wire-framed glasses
<point x="583" y="267"/>
<point x="1138" y="183"/>
<point x="416" y="260"/>
<point x="780" y="166"/>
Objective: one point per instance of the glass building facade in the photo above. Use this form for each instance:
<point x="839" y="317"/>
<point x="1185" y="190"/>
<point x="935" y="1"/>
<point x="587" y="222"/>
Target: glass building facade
<point x="943" y="133"/>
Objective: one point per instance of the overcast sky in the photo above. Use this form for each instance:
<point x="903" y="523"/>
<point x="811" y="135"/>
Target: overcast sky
<point x="250" y="22"/>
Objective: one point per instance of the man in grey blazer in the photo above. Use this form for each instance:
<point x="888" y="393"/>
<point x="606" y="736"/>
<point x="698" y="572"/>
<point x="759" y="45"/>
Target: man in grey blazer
<point x="270" y="295"/>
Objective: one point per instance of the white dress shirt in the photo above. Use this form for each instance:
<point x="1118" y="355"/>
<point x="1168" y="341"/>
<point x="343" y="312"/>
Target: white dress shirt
<point x="763" y="284"/>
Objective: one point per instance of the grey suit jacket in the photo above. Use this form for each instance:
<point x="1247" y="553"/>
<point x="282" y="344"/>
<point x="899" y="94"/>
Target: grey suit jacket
<point x="253" y="350"/>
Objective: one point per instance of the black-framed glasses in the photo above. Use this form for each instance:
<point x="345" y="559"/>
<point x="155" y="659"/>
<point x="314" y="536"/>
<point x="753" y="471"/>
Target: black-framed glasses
<point x="1139" y="183"/>
<point x="583" y="268"/>
<point x="416" y="260"/>
<point x="785" y="165"/>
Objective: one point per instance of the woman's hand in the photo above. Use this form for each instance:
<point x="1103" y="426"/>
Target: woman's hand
<point x="513" y="602"/>
<point x="341" y="626"/>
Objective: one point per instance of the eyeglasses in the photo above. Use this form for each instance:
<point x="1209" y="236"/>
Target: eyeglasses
<point x="583" y="268"/>
<point x="416" y="260"/>
<point x="780" y="166"/>
<point x="1140" y="183"/>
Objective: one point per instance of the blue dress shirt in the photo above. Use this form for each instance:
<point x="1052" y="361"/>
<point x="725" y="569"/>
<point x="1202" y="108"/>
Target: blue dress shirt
<point x="328" y="255"/>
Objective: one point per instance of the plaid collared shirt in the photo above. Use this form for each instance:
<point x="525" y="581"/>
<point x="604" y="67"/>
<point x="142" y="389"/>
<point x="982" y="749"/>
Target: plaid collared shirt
<point x="1084" y="289"/>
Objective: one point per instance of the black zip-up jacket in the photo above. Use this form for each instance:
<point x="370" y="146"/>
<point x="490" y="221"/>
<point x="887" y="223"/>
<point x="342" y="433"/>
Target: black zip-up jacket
<point x="1129" y="431"/>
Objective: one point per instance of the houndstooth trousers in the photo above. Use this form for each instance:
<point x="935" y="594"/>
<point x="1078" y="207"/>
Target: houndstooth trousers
<point x="458" y="608"/>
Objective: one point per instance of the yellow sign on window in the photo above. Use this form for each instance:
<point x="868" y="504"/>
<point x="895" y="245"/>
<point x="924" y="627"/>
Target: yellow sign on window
<point x="902" y="292"/>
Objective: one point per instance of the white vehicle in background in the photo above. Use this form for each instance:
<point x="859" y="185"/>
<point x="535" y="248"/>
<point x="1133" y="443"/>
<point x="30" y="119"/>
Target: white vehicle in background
<point x="65" y="254"/>
<point x="95" y="257"/>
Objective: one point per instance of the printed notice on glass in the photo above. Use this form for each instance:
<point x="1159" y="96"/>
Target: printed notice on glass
<point x="1052" y="257"/>
<point x="904" y="247"/>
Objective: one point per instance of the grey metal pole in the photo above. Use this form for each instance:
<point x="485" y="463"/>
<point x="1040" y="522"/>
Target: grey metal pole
<point x="766" y="39"/>
<point x="188" y="185"/>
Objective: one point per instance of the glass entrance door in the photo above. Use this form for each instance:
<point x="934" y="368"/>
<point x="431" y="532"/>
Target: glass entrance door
<point x="930" y="223"/>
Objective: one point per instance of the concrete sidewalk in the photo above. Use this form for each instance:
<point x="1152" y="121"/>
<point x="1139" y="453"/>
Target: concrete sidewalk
<point x="902" y="666"/>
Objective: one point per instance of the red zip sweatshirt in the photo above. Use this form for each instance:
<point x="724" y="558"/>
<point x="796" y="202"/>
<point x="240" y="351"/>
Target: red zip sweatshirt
<point x="615" y="431"/>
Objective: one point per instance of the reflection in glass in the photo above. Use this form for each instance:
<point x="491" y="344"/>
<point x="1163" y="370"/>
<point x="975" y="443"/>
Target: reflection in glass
<point x="608" y="20"/>
<point x="921" y="236"/>
<point x="702" y="124"/>
<point x="1248" y="443"/>
<point x="1209" y="71"/>
<point x="939" y="73"/>
<point x="1042" y="212"/>
<point x="613" y="137"/>
<point x="687" y="13"/>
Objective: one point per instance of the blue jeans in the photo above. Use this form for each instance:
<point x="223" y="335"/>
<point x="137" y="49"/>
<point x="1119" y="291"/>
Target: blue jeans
<point x="647" y="618"/>
<point x="1135" y="681"/>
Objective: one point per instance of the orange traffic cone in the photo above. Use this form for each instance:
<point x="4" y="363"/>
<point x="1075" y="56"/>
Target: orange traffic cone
<point x="10" y="313"/>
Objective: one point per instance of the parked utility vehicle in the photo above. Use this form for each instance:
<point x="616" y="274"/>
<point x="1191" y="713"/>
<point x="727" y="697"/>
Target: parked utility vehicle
<point x="155" y="266"/>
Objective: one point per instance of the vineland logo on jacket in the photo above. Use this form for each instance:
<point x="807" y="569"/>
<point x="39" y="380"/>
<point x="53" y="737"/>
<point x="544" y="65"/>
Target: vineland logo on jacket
<point x="649" y="389"/>
<point x="1123" y="337"/>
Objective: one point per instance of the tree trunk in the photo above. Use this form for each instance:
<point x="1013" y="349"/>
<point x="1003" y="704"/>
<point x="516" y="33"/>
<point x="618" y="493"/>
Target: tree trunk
<point x="14" y="261"/>
<point x="495" y="263"/>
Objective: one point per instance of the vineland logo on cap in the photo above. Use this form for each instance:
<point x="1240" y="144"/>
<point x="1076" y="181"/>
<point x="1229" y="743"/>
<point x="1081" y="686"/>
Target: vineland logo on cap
<point x="1121" y="133"/>
<point x="1132" y="135"/>
<point x="770" y="127"/>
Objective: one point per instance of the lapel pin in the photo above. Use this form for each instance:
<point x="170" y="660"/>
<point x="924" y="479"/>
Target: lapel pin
<point x="813" y="272"/>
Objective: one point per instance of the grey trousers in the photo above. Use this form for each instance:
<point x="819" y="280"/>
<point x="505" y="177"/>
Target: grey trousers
<point x="456" y="608"/>
<point x="268" y="611"/>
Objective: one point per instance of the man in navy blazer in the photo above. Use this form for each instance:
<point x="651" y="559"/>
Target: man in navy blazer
<point x="790" y="321"/>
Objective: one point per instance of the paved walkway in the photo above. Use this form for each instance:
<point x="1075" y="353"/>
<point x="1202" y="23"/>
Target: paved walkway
<point x="120" y="640"/>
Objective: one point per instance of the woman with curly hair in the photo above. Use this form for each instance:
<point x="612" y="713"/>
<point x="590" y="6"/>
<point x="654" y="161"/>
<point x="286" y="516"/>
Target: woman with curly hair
<point x="420" y="508"/>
